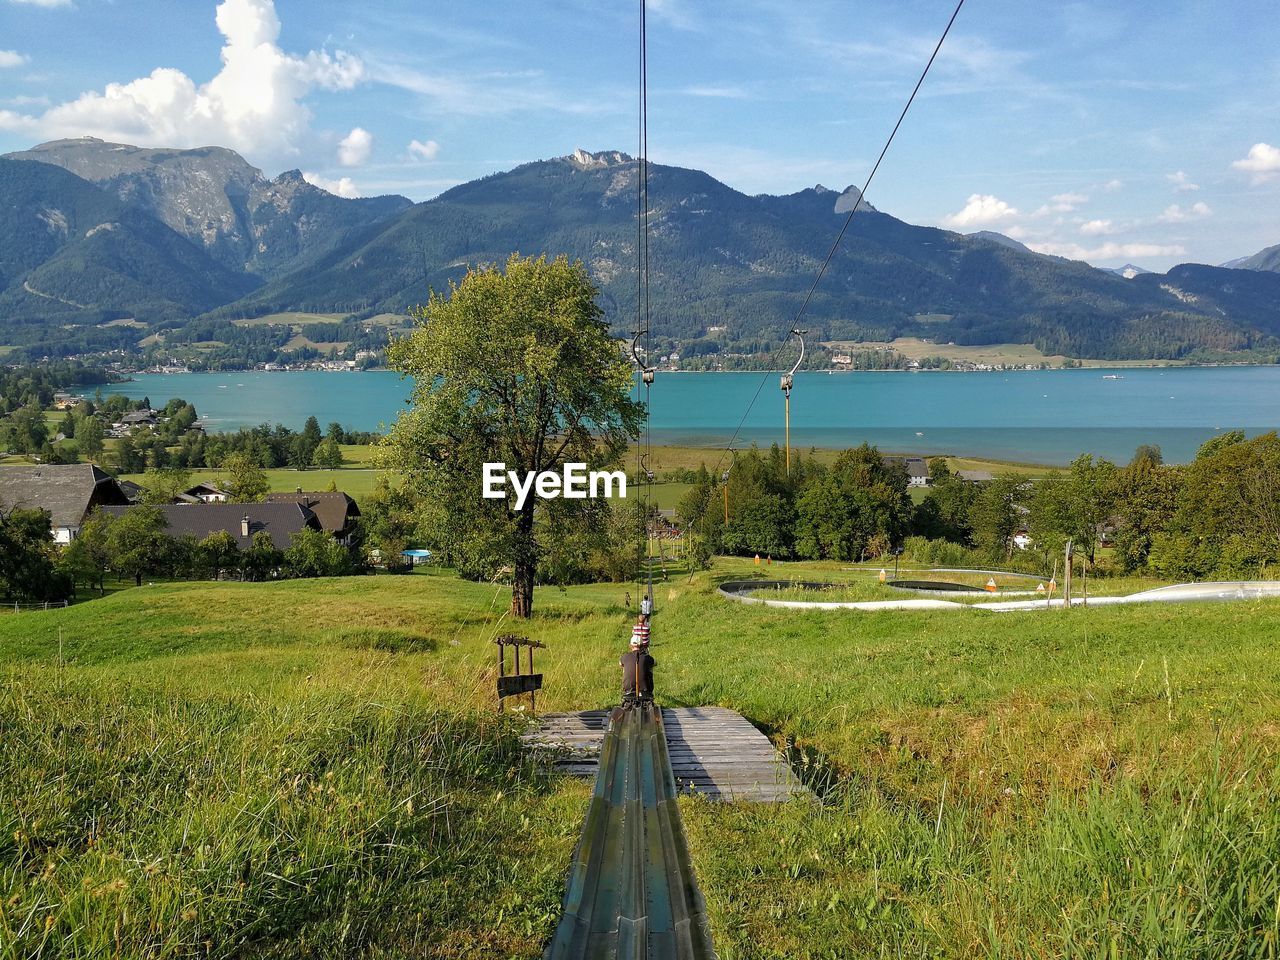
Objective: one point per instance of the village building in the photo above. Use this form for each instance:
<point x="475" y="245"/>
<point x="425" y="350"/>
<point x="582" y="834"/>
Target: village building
<point x="280" y="521"/>
<point x="204" y="492"/>
<point x="336" y="511"/>
<point x="67" y="492"/>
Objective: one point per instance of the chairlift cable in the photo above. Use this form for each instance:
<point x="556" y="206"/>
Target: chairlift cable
<point x="847" y="220"/>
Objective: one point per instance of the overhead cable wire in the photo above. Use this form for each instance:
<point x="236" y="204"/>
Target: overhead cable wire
<point x="844" y="227"/>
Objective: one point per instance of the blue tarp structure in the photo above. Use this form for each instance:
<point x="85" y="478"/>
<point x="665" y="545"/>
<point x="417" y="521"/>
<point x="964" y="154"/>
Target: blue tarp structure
<point x="416" y="556"/>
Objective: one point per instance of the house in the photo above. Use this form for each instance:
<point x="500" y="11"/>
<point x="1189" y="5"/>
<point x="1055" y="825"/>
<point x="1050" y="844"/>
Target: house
<point x="132" y="490"/>
<point x="917" y="469"/>
<point x="976" y="476"/>
<point x="65" y="401"/>
<point x="138" y="418"/>
<point x="204" y="493"/>
<point x="67" y="492"/>
<point x="280" y="521"/>
<point x="1022" y="540"/>
<point x="335" y="510"/>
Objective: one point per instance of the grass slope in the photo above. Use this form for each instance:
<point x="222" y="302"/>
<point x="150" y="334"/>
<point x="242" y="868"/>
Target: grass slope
<point x="314" y="768"/>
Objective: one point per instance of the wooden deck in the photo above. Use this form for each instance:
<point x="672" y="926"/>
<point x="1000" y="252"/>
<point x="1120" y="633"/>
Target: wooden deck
<point x="714" y="752"/>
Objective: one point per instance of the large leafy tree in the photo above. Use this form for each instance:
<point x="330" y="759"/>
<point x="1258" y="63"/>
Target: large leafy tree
<point x="26" y="557"/>
<point x="515" y="364"/>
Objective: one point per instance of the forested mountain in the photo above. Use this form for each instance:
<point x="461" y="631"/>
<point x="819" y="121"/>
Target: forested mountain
<point x="218" y="201"/>
<point x="73" y="257"/>
<point x="1268" y="259"/>
<point x="723" y="259"/>
<point x="729" y="270"/>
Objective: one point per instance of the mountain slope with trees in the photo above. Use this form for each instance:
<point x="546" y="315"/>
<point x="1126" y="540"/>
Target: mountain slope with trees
<point x="218" y="201"/>
<point x="73" y="257"/>
<point x="729" y="271"/>
<point x="722" y="259"/>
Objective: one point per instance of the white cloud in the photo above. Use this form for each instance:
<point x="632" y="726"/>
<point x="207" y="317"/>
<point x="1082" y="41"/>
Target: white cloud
<point x="254" y="104"/>
<point x="342" y="187"/>
<point x="424" y="151"/>
<point x="1074" y="199"/>
<point x="44" y="3"/>
<point x="12" y="58"/>
<point x="1095" y="228"/>
<point x="1176" y="214"/>
<point x="722" y="92"/>
<point x="980" y="209"/>
<point x="1108" y="251"/>
<point x="1181" y="182"/>
<point x="1263" y="161"/>
<point x="1111" y="186"/>
<point x="355" y="147"/>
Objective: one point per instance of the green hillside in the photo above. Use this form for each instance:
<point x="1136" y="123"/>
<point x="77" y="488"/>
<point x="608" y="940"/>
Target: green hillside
<point x="73" y="257"/>
<point x="314" y="768"/>
<point x="744" y="264"/>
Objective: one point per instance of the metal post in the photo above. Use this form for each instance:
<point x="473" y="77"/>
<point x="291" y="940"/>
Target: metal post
<point x="787" y="405"/>
<point x="502" y="668"/>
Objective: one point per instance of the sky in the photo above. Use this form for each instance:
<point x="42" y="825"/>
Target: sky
<point x="1115" y="132"/>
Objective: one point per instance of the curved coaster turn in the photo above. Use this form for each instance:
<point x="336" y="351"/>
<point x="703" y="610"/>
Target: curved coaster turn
<point x="631" y="890"/>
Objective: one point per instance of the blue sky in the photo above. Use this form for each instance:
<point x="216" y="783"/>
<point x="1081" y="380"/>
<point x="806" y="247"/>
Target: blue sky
<point x="1144" y="132"/>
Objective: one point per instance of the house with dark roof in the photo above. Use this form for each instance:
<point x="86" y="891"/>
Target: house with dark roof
<point x="917" y="469"/>
<point x="68" y="492"/>
<point x="280" y="521"/>
<point x="335" y="510"/>
<point x="132" y="490"/>
<point x="204" y="492"/>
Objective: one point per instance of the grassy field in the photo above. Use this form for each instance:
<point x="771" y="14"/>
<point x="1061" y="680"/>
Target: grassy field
<point x="356" y="477"/>
<point x="183" y="774"/>
<point x="289" y="319"/>
<point x="914" y="348"/>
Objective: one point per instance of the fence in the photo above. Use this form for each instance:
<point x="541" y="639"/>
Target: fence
<point x="47" y="605"/>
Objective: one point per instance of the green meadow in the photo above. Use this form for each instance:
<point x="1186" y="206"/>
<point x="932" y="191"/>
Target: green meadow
<point x="316" y="768"/>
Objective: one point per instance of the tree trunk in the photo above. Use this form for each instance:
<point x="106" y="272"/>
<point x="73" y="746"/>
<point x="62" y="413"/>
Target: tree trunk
<point x="525" y="564"/>
<point x="137" y="579"/>
<point x="522" y="590"/>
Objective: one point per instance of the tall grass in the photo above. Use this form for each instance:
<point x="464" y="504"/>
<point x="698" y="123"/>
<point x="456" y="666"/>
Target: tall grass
<point x="134" y="823"/>
<point x="228" y="770"/>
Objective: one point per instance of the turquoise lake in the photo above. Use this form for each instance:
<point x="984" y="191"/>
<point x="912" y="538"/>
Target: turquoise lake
<point x="1045" y="416"/>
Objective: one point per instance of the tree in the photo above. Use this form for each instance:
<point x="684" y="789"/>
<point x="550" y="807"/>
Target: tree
<point x="301" y="450"/>
<point x="26" y="557"/>
<point x="1075" y="507"/>
<point x="88" y="557"/>
<point x="219" y="551"/>
<point x="328" y="455"/>
<point x="128" y="459"/>
<point x="261" y="559"/>
<point x="314" y="553"/>
<point x="388" y="517"/>
<point x="90" y="436"/>
<point x="994" y="514"/>
<point x="515" y="365"/>
<point x="335" y="432"/>
<point x="138" y="542"/>
<point x="163" y="485"/>
<point x="245" y="482"/>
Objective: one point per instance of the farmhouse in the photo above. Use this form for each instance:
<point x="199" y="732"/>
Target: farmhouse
<point x="204" y="493"/>
<point x="67" y="492"/>
<point x="336" y="511"/>
<point x="280" y="521"/>
<point x="917" y="469"/>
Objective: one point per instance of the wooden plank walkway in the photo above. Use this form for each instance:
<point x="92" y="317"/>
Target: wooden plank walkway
<point x="714" y="751"/>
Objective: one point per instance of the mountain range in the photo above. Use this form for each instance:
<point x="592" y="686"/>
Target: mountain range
<point x="104" y="238"/>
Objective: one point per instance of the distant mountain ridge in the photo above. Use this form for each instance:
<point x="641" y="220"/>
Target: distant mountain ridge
<point x="218" y="201"/>
<point x="1268" y="259"/>
<point x="729" y="270"/>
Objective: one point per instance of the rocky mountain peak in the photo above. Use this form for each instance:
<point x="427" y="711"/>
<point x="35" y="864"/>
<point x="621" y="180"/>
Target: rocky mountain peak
<point x="597" y="161"/>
